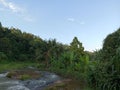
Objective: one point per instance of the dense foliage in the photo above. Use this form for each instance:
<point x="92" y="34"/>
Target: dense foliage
<point x="21" y="46"/>
<point x="100" y="69"/>
<point x="105" y="75"/>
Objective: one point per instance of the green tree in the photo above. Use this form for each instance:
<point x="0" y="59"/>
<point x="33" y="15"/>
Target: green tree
<point x="77" y="48"/>
<point x="111" y="43"/>
<point x="106" y="74"/>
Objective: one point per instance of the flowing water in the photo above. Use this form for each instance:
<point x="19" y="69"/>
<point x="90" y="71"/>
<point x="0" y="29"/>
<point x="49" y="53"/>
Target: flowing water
<point x="31" y="84"/>
<point x="9" y="84"/>
<point x="47" y="79"/>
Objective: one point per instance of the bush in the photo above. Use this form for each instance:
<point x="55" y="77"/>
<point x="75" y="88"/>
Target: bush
<point x="3" y="56"/>
<point x="105" y="75"/>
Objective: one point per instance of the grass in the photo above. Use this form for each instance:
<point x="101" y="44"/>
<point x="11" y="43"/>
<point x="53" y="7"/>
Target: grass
<point x="7" y="66"/>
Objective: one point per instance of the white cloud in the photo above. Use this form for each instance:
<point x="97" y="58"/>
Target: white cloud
<point x="11" y="6"/>
<point x="71" y="19"/>
<point x="77" y="21"/>
<point x="21" y="12"/>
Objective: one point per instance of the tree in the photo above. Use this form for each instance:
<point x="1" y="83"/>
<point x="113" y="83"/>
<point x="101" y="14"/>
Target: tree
<point x="76" y="47"/>
<point x="106" y="74"/>
<point x="110" y="45"/>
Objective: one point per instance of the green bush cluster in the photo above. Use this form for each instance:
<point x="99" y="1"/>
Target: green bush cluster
<point x="106" y="74"/>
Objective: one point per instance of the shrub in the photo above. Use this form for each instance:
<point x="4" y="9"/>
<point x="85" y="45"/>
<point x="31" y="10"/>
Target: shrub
<point x="3" y="56"/>
<point x="106" y="74"/>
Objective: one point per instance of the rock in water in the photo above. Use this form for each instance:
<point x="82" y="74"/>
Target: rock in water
<point x="18" y="87"/>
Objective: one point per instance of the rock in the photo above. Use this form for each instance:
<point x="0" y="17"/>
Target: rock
<point x="33" y="84"/>
<point x="18" y="87"/>
<point x="39" y="84"/>
<point x="23" y="74"/>
<point x="3" y="74"/>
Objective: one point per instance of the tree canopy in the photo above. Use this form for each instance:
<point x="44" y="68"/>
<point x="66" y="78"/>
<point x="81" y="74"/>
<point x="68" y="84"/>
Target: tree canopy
<point x="111" y="44"/>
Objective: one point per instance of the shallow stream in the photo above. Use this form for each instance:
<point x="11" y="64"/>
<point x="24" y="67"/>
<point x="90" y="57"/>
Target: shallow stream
<point x="46" y="80"/>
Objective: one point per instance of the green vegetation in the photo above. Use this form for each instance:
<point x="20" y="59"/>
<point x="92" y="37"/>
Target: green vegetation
<point x="99" y="69"/>
<point x="25" y="77"/>
<point x="105" y="74"/>
<point x="5" y="66"/>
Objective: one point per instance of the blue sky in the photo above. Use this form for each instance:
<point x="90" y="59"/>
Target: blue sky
<point x="89" y="20"/>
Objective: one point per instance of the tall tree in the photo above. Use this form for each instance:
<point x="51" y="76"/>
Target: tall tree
<point x="76" y="47"/>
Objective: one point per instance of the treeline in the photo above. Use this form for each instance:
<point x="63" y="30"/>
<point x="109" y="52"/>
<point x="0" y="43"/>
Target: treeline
<point x="21" y="46"/>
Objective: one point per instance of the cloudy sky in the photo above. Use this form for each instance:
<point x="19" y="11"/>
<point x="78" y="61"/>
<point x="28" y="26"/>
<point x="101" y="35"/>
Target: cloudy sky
<point x="89" y="20"/>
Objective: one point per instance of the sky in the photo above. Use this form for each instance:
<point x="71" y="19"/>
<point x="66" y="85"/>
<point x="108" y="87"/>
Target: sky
<point x="89" y="20"/>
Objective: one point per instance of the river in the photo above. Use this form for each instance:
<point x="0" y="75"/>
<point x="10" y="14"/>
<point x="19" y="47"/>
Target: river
<point x="49" y="80"/>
